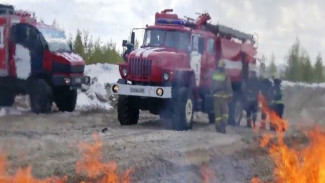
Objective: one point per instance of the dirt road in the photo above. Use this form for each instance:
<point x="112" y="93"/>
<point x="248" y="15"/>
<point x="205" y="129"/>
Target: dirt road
<point x="49" y="143"/>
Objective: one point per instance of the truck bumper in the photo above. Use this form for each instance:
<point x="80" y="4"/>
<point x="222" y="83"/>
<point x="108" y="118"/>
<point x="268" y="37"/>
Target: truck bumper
<point x="141" y="91"/>
<point x="72" y="81"/>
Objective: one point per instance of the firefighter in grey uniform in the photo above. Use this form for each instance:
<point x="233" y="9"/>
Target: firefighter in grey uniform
<point x="222" y="94"/>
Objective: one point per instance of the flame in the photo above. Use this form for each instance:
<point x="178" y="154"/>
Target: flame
<point x="208" y="176"/>
<point x="292" y="165"/>
<point x="90" y="164"/>
<point x="275" y="120"/>
<point x="255" y="180"/>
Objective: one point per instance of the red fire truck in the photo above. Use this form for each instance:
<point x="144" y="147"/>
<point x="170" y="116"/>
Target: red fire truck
<point x="36" y="59"/>
<point x="170" y="74"/>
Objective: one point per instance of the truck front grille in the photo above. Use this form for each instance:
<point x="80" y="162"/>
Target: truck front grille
<point x="140" y="67"/>
<point x="67" y="68"/>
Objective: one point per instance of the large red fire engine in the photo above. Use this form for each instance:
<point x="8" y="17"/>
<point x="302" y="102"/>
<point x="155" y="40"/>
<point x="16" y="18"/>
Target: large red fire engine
<point x="170" y="74"/>
<point x="36" y="59"/>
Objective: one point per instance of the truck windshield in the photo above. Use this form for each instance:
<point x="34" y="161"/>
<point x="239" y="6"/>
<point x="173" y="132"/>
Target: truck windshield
<point x="56" y="40"/>
<point x="167" y="38"/>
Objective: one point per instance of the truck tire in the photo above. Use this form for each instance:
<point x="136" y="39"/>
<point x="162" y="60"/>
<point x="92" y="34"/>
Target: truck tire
<point x="235" y="110"/>
<point x="127" y="111"/>
<point x="7" y="97"/>
<point x="65" y="99"/>
<point x="40" y="96"/>
<point x="183" y="110"/>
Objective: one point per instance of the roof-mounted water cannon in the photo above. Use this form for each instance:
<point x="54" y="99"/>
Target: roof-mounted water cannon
<point x="203" y="20"/>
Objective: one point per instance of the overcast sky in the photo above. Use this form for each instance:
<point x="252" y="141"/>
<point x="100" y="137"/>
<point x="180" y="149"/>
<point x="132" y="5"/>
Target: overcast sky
<point x="277" y="22"/>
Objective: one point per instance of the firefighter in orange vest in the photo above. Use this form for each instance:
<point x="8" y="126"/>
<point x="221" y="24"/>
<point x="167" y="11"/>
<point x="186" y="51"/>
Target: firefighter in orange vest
<point x="222" y="93"/>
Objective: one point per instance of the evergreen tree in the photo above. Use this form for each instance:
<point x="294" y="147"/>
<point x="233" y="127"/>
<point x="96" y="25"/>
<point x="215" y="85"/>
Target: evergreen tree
<point x="95" y="52"/>
<point x="262" y="68"/>
<point x="307" y="72"/>
<point x="319" y="70"/>
<point x="78" y="46"/>
<point x="294" y="69"/>
<point x="272" y="67"/>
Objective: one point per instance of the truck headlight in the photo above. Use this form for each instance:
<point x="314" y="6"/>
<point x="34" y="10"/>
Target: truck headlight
<point x="67" y="81"/>
<point x="124" y="72"/>
<point x="160" y="92"/>
<point x="166" y="76"/>
<point x="115" y="88"/>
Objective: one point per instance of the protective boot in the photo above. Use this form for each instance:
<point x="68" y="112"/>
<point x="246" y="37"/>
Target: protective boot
<point x="249" y="123"/>
<point x="254" y="120"/>
<point x="221" y="128"/>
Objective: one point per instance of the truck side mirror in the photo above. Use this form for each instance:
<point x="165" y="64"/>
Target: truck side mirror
<point x="124" y="43"/>
<point x="201" y="45"/>
<point x="132" y="38"/>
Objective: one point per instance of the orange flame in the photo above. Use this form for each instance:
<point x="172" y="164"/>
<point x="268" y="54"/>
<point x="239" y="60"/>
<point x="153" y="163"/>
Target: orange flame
<point x="255" y="180"/>
<point x="208" y="175"/>
<point x="293" y="165"/>
<point x="90" y="164"/>
<point x="275" y="120"/>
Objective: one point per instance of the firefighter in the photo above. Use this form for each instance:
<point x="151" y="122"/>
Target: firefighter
<point x="250" y="91"/>
<point x="266" y="88"/>
<point x="277" y="103"/>
<point x="222" y="93"/>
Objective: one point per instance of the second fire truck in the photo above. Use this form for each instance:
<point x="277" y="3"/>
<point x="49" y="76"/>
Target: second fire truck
<point x="170" y="74"/>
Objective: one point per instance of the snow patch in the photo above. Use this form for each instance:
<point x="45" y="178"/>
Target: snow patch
<point x="96" y="96"/>
<point x="301" y="84"/>
<point x="9" y="111"/>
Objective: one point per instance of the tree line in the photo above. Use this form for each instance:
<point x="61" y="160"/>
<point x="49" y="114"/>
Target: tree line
<point x="94" y="51"/>
<point x="299" y="67"/>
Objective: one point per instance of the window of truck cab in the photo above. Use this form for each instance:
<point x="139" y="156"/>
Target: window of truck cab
<point x="166" y="38"/>
<point x="56" y="40"/>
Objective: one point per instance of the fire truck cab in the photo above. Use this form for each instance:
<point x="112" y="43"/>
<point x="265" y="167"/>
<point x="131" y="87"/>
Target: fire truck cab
<point x="170" y="74"/>
<point x="36" y="59"/>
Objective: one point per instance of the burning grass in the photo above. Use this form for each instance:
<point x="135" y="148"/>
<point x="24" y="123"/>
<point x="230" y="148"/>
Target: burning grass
<point x="90" y="165"/>
<point x="292" y="165"/>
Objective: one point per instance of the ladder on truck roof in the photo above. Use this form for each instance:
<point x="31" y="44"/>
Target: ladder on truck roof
<point x="225" y="31"/>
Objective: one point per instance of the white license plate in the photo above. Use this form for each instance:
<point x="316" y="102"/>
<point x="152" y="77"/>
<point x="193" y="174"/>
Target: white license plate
<point x="78" y="80"/>
<point x="137" y="90"/>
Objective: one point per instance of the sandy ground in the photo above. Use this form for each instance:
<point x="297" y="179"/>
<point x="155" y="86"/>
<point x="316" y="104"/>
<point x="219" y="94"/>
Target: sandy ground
<point x="49" y="143"/>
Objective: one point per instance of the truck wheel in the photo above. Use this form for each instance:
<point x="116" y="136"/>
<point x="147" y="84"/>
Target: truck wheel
<point x="235" y="111"/>
<point x="65" y="98"/>
<point x="183" y="110"/>
<point x="7" y="97"/>
<point x="41" y="96"/>
<point x="127" y="111"/>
